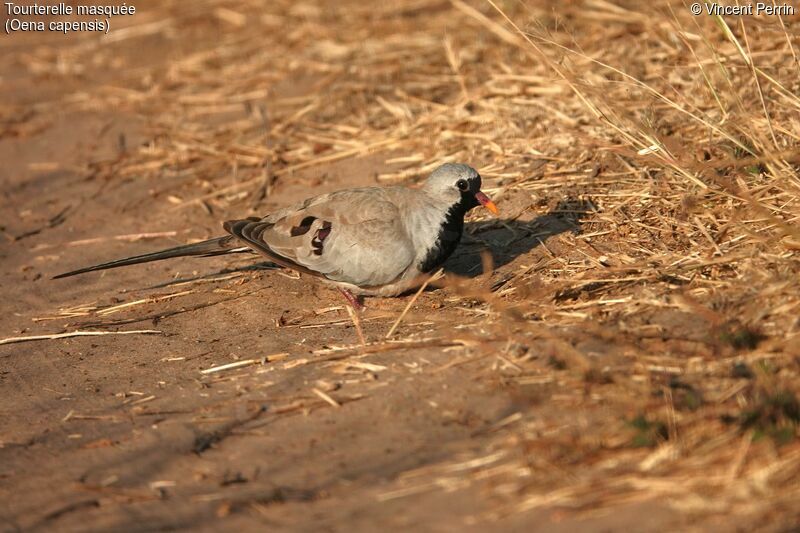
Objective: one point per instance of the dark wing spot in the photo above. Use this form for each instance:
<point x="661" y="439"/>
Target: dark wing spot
<point x="324" y="231"/>
<point x="303" y="227"/>
<point x="320" y="236"/>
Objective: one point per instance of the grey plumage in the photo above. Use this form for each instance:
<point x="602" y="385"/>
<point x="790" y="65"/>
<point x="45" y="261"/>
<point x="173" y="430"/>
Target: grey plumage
<point x="371" y="240"/>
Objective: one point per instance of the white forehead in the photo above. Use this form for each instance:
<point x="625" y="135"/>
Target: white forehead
<point x="449" y="173"/>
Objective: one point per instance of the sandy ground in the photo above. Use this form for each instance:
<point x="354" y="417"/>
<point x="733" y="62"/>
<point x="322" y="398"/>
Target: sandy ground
<point x="124" y="432"/>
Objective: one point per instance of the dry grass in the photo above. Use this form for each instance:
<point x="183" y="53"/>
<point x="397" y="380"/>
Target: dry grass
<point x="655" y="352"/>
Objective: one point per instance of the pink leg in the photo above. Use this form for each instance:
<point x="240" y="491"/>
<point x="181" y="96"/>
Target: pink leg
<point x="352" y="300"/>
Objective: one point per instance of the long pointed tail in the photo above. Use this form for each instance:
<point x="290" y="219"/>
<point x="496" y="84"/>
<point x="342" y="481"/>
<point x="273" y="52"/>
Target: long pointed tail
<point x="219" y="246"/>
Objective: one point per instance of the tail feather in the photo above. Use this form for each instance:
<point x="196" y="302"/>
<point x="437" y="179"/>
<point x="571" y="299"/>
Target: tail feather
<point x="211" y="247"/>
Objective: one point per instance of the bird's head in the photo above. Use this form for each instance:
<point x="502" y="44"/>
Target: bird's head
<point x="459" y="185"/>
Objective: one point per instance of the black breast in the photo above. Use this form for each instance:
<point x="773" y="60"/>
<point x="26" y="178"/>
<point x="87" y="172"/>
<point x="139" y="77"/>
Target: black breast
<point x="447" y="240"/>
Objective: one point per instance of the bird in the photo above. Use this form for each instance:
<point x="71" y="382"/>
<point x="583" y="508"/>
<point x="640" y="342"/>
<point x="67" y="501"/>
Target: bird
<point x="367" y="241"/>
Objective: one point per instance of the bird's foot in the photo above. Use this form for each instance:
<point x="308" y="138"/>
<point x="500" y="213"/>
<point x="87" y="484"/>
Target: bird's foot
<point x="352" y="299"/>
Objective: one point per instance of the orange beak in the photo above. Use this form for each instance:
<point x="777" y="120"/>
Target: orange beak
<point x="487" y="203"/>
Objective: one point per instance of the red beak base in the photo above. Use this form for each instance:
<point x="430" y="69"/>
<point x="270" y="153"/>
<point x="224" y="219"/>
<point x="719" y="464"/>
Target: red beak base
<point x="487" y="203"/>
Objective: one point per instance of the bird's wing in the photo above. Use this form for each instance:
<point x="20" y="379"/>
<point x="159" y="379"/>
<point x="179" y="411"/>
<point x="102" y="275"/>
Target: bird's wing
<point x="354" y="236"/>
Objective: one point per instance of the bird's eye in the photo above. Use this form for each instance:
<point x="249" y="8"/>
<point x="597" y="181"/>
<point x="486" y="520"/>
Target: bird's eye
<point x="462" y="185"/>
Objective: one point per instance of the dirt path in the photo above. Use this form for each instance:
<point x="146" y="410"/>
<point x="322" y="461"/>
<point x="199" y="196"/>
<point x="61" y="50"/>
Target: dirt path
<point x="582" y="385"/>
<point x="125" y="432"/>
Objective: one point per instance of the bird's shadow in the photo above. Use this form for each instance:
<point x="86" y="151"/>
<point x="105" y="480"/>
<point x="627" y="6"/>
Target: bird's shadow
<point x="508" y="239"/>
